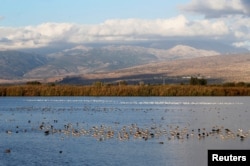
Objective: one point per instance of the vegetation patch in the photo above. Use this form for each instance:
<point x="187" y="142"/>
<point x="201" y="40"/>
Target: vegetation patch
<point x="100" y="89"/>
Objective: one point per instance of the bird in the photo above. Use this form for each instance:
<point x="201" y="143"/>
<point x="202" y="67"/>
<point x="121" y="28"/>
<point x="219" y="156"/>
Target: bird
<point x="7" y="151"/>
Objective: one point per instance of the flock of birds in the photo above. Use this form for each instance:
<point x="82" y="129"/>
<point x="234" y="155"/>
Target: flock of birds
<point x="133" y="131"/>
<point x="125" y="133"/>
<point x="157" y="133"/>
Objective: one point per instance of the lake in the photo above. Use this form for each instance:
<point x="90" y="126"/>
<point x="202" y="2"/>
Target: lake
<point x="120" y="130"/>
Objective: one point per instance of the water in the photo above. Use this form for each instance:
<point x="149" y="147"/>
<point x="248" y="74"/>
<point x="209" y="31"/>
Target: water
<point x="120" y="130"/>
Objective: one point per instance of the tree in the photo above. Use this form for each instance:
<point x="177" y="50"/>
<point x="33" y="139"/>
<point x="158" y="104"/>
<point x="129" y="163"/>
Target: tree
<point x="33" y="83"/>
<point x="122" y="82"/>
<point x="194" y="81"/>
<point x="197" y="81"/>
<point x="202" y="81"/>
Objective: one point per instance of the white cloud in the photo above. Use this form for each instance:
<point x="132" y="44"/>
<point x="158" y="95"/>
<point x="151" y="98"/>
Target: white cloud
<point x="244" y="44"/>
<point x="34" y="36"/>
<point x="235" y="28"/>
<point x="218" y="8"/>
<point x="240" y="27"/>
<point x="177" y="26"/>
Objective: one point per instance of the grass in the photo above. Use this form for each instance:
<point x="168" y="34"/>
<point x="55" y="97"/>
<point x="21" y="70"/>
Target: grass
<point x="123" y="90"/>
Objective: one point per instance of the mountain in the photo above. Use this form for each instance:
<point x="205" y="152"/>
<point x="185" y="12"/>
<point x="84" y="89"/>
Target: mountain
<point x="216" y="69"/>
<point x="82" y="60"/>
<point x="183" y="51"/>
<point x="116" y="61"/>
<point x="88" y="60"/>
<point x="233" y="67"/>
<point x="15" y="64"/>
<point x="203" y="44"/>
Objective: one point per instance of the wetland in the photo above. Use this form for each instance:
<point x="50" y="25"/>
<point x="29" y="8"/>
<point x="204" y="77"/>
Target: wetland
<point x="120" y="130"/>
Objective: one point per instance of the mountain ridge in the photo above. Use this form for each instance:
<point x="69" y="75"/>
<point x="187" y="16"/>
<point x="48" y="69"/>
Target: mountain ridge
<point x="83" y="59"/>
<point x="11" y="67"/>
<point x="223" y="68"/>
<point x="106" y="61"/>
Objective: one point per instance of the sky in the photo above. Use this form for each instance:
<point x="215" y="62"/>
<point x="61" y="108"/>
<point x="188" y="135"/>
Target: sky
<point x="40" y="23"/>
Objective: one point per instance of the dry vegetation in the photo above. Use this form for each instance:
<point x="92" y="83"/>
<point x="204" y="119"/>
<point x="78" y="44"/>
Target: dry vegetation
<point x="126" y="90"/>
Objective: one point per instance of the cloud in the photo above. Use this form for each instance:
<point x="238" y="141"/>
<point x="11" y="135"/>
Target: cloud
<point x="144" y="29"/>
<point x="244" y="44"/>
<point x="233" y="29"/>
<point x="1" y="18"/>
<point x="34" y="36"/>
<point x="110" y="30"/>
<point x="218" y="8"/>
<point x="246" y="4"/>
<point x="240" y="27"/>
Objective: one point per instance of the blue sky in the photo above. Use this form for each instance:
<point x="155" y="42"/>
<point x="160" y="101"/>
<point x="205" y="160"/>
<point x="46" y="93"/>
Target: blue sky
<point x="33" y="12"/>
<point x="39" y="23"/>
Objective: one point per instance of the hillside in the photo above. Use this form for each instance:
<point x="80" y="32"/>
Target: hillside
<point x="79" y="61"/>
<point x="223" y="68"/>
<point x="82" y="60"/>
<point x="88" y="60"/>
<point x="111" y="63"/>
<point x="14" y="64"/>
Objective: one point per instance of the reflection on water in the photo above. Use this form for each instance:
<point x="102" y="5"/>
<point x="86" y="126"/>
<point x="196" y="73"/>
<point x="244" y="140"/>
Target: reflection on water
<point x="123" y="130"/>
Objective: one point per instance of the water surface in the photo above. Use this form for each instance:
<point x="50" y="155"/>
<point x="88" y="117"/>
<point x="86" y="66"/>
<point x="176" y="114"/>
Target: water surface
<point x="120" y="130"/>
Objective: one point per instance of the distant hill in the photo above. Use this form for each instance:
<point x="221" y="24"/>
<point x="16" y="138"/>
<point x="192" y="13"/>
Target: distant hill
<point x="14" y="64"/>
<point x="111" y="63"/>
<point x="82" y="60"/>
<point x="223" y="68"/>
<point x="87" y="60"/>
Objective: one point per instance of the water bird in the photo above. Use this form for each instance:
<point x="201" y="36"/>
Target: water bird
<point x="41" y="127"/>
<point x="46" y="132"/>
<point x="242" y="137"/>
<point x="8" y="131"/>
<point x="7" y="151"/>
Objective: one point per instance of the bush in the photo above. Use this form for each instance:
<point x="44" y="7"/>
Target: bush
<point x="197" y="81"/>
<point x="33" y="83"/>
<point x="229" y="84"/>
